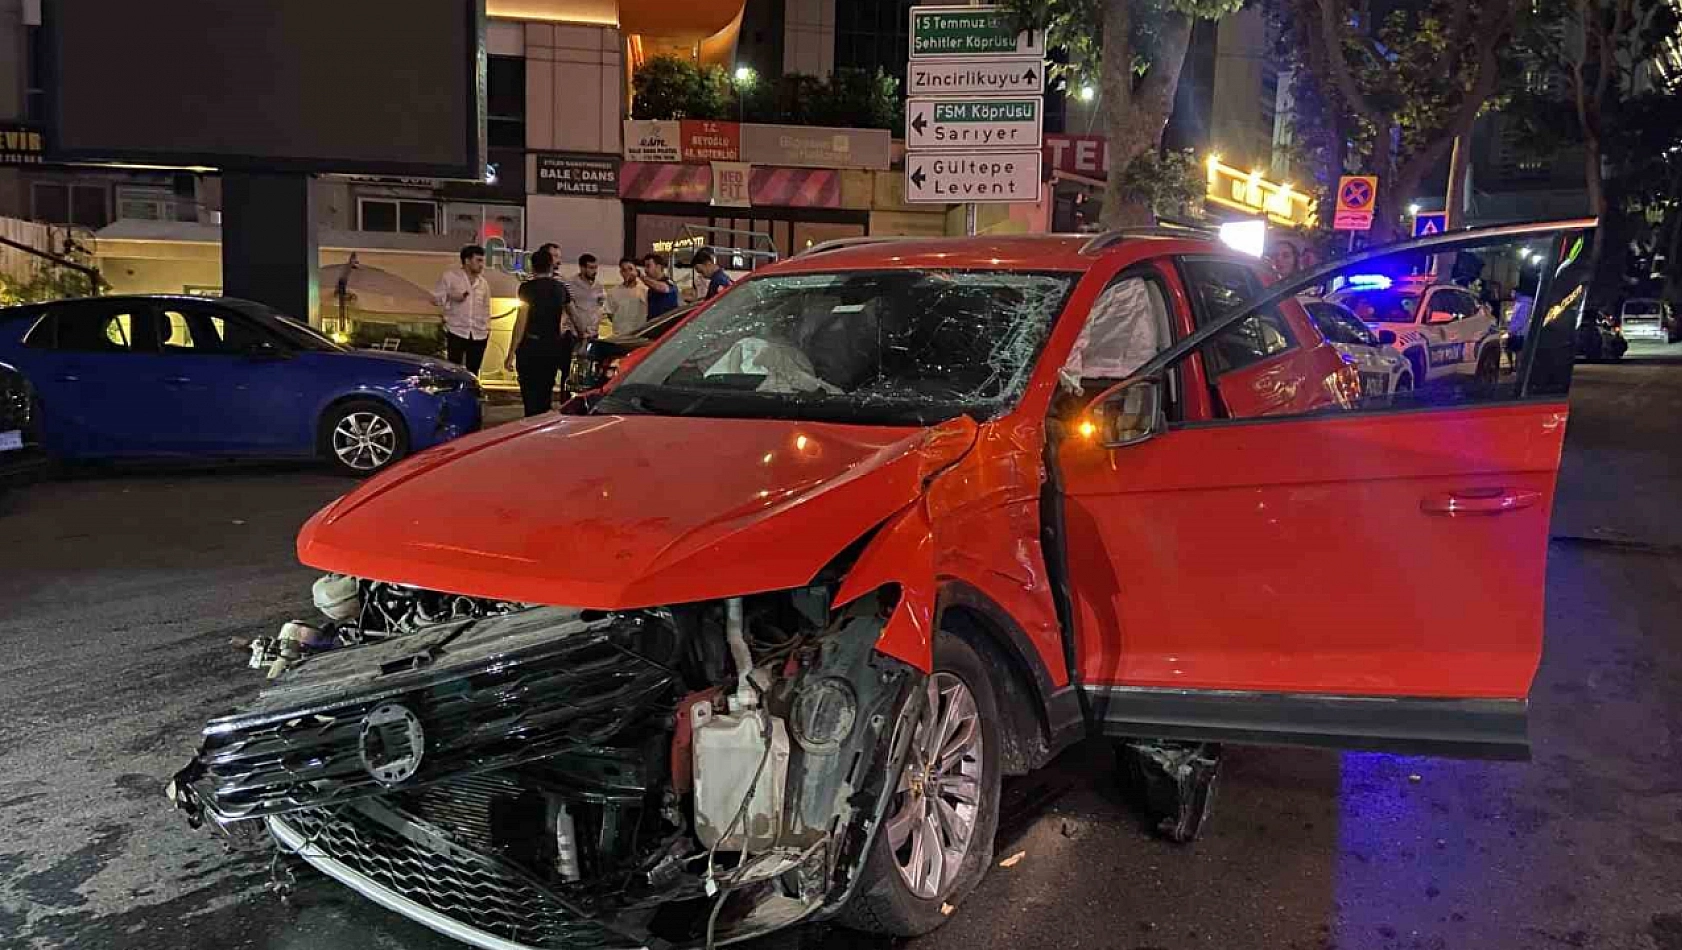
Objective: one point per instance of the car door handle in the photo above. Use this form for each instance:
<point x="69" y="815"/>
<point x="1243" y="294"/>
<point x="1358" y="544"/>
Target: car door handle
<point x="69" y="378"/>
<point x="1479" y="501"/>
<point x="177" y="380"/>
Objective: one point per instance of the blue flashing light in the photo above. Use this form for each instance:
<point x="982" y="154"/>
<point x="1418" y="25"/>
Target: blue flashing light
<point x="1369" y="282"/>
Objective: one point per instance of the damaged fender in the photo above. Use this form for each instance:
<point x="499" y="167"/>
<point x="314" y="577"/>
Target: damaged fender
<point x="902" y="556"/>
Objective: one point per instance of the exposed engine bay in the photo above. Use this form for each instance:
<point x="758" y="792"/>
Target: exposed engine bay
<point x="551" y="777"/>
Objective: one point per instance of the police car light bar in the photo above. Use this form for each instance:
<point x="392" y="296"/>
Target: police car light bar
<point x="1369" y="282"/>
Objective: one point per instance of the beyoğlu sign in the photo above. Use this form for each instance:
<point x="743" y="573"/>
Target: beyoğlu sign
<point x="708" y="140"/>
<point x="581" y="174"/>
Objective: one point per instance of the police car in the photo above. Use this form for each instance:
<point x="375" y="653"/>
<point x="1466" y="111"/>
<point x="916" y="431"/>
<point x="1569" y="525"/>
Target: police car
<point x="1441" y="329"/>
<point x="1384" y="371"/>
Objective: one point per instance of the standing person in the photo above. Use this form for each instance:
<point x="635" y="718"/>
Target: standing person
<point x="542" y="337"/>
<point x="464" y="296"/>
<point x="588" y="296"/>
<point x="706" y="265"/>
<point x="662" y="290"/>
<point x="627" y="301"/>
<point x="1517" y="326"/>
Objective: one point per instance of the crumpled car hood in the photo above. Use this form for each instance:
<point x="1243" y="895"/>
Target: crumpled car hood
<point x="621" y="512"/>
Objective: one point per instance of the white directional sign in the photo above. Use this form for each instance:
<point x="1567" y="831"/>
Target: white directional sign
<point x="972" y="122"/>
<point x="991" y="77"/>
<point x="978" y="177"/>
<point x="970" y="31"/>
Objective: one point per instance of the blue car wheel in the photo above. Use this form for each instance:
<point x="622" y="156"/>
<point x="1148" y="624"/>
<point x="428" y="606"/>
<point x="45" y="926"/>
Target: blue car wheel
<point x="362" y="436"/>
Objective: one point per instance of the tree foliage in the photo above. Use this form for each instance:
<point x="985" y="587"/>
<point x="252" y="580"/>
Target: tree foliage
<point x="1591" y="85"/>
<point x="1132" y="52"/>
<point x="671" y="88"/>
<point x="47" y="282"/>
<point x="1408" y="82"/>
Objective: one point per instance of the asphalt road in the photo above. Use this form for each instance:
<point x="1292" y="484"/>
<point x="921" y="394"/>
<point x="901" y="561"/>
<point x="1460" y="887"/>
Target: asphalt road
<point x="120" y="595"/>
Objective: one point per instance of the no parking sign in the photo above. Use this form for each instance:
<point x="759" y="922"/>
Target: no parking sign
<point x="1356" y="196"/>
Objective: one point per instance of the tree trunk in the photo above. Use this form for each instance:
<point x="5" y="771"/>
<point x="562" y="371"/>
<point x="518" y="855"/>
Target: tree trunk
<point x="1134" y="117"/>
<point x="1605" y="283"/>
<point x="1454" y="202"/>
<point x="1125" y="141"/>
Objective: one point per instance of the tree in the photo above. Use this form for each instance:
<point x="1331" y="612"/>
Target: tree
<point x="1587" y="59"/>
<point x="1136" y="48"/>
<point x="1413" y="80"/>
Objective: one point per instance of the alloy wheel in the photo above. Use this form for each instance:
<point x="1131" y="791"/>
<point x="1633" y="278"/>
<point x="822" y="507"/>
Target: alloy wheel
<point x="939" y="795"/>
<point x="364" y="441"/>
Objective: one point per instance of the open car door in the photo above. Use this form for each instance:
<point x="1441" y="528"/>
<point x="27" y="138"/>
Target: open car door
<point x="1333" y="568"/>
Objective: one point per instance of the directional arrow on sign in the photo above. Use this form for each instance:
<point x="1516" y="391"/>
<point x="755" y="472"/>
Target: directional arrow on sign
<point x="920" y="123"/>
<point x="917" y="177"/>
<point x="1031" y="77"/>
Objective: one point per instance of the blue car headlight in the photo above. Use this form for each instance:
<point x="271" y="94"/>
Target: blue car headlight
<point x="439" y="385"/>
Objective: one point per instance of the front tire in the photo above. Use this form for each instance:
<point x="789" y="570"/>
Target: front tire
<point x="936" y="840"/>
<point x="1489" y="365"/>
<point x="361" y="437"/>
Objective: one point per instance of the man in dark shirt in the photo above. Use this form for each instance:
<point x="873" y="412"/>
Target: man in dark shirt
<point x="662" y="290"/>
<point x="543" y="340"/>
<point x="706" y="265"/>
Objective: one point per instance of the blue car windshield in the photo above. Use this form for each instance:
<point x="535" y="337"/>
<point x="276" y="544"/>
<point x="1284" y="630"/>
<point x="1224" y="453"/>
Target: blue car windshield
<point x="300" y="335"/>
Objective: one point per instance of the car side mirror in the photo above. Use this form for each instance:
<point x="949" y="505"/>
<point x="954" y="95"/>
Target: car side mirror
<point x="1439" y="316"/>
<point x="1387" y="337"/>
<point x="1128" y="415"/>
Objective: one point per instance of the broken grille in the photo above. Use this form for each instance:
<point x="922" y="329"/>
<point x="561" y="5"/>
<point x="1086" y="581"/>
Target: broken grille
<point x="580" y="691"/>
<point x="461" y="884"/>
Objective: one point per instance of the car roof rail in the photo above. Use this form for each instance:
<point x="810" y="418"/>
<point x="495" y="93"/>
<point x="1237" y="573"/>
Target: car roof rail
<point x="1164" y="228"/>
<point x="837" y="244"/>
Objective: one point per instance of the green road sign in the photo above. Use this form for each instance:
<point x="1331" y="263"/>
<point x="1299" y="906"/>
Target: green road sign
<point x="971" y="122"/>
<point x="969" y="31"/>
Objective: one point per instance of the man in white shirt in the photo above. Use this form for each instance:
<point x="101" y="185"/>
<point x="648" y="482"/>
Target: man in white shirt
<point x="627" y="301"/>
<point x="464" y="296"/>
<point x="588" y="298"/>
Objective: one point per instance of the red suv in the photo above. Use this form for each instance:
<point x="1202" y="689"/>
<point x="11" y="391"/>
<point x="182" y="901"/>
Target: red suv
<point x="750" y="637"/>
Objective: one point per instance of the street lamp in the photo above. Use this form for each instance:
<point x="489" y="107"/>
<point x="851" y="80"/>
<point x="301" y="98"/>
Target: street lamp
<point x="1087" y="93"/>
<point x="1413" y="209"/>
<point x="744" y="75"/>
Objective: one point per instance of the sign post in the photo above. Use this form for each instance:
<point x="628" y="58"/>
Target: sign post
<point x="973" y="133"/>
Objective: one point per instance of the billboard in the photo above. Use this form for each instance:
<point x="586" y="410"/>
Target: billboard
<point x="305" y="85"/>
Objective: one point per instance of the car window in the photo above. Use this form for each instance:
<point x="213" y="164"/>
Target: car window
<point x="1447" y="306"/>
<point x="100" y="328"/>
<point x="1376" y="302"/>
<point x="1338" y="325"/>
<point x="1474" y="368"/>
<point x="176" y="333"/>
<point x="1128" y="325"/>
<point x="1218" y="287"/>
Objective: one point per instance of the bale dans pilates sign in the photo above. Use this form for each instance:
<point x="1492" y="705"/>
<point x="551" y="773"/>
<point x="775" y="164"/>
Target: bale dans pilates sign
<point x="969" y="32"/>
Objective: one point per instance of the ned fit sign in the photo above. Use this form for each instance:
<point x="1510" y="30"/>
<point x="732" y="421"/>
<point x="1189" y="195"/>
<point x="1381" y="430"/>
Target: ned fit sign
<point x="972" y="123"/>
<point x="580" y="174"/>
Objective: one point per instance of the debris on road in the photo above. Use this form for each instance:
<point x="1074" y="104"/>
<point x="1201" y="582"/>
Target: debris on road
<point x="1013" y="860"/>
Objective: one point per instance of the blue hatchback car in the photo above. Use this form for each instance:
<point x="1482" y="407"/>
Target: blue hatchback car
<point x="165" y="376"/>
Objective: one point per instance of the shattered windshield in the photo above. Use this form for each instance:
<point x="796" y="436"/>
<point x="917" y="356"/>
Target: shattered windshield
<point x="901" y="347"/>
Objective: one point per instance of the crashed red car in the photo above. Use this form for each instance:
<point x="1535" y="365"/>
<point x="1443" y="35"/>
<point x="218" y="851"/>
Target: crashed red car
<point x="750" y="637"/>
